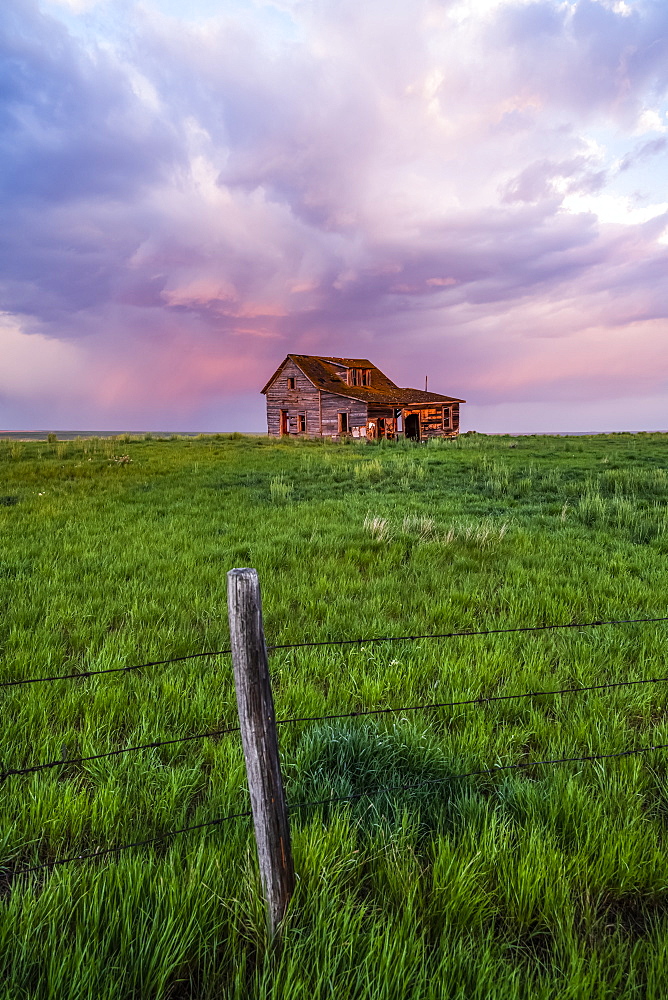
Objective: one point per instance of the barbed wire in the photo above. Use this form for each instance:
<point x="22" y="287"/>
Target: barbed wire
<point x="451" y="635"/>
<point x="367" y="793"/>
<point x="472" y="774"/>
<point x="479" y="700"/>
<point x="83" y="674"/>
<point x="11" y="771"/>
<point x="91" y="855"/>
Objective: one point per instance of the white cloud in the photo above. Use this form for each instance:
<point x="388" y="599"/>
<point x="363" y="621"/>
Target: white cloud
<point x="617" y="6"/>
<point x="612" y="208"/>
<point x="77" y="6"/>
<point x="651" y="120"/>
<point x="466" y="10"/>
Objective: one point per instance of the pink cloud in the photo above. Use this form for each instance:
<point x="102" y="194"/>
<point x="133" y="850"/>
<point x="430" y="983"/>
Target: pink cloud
<point x="188" y="204"/>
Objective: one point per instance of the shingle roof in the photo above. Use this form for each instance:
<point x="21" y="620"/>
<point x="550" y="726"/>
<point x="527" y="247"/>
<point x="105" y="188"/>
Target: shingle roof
<point x="323" y="372"/>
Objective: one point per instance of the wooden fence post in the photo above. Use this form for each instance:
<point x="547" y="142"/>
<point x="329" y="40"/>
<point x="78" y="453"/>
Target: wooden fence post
<point x="260" y="743"/>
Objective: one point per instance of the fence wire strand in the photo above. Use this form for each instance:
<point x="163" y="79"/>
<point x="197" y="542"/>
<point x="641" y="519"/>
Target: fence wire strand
<point x="11" y="771"/>
<point x="367" y="793"/>
<point x="479" y="700"/>
<point x="414" y="786"/>
<point x="452" y="635"/>
<point x="91" y="855"/>
<point x="83" y="674"/>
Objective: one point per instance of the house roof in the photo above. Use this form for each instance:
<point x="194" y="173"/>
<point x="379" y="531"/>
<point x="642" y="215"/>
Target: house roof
<point x="323" y="372"/>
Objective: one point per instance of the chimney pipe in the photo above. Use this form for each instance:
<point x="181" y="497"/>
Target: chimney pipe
<point x="425" y="382"/>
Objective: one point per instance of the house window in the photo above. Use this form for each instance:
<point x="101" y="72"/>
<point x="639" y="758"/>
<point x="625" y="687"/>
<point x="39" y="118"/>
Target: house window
<point x="301" y="423"/>
<point x="446" y="418"/>
<point x="291" y="382"/>
<point x="359" y="376"/>
<point x="343" y="423"/>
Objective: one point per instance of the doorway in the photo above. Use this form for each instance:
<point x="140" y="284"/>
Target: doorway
<point x="412" y="425"/>
<point x="284" y="429"/>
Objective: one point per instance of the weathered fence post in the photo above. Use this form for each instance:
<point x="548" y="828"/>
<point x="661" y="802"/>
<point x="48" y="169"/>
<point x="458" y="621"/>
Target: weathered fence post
<point x="260" y="743"/>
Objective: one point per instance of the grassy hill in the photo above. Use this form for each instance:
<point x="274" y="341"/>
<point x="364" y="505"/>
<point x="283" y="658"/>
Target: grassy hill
<point x="544" y="882"/>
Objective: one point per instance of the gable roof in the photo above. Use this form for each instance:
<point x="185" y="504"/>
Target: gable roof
<point x="323" y="372"/>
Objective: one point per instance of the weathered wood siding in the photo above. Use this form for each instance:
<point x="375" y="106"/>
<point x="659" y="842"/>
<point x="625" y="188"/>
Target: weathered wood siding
<point x="333" y="404"/>
<point x="431" y="423"/>
<point x="454" y="430"/>
<point x="381" y="411"/>
<point x="304" y="398"/>
<point x="432" y="420"/>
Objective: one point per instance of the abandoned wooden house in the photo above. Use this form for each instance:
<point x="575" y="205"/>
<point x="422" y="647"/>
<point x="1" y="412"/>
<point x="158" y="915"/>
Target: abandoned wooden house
<point x="312" y="396"/>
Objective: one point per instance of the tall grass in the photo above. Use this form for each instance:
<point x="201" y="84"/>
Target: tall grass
<point x="280" y="489"/>
<point x="545" y="883"/>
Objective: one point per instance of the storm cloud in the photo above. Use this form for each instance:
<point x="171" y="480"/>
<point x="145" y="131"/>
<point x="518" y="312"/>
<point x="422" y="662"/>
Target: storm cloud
<point x="474" y="190"/>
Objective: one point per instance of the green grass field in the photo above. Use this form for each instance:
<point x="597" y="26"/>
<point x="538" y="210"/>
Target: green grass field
<point x="549" y="882"/>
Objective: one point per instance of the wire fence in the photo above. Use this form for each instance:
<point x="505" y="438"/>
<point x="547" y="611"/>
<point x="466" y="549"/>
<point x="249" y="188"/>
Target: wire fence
<point x="85" y="674"/>
<point x="335" y="799"/>
<point x="480" y="700"/>
<point x="12" y="771"/>
<point x="368" y="640"/>
<point x="93" y="855"/>
<point x="451" y="635"/>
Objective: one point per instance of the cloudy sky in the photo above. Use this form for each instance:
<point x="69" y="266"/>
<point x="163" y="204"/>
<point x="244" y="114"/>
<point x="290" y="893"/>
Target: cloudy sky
<point x="473" y="189"/>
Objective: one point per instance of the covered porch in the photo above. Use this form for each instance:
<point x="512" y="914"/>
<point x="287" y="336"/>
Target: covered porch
<point x="420" y="423"/>
<point x="383" y="422"/>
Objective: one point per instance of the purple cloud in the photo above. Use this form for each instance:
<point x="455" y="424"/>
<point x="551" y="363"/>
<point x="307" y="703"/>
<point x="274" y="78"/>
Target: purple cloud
<point x="588" y="57"/>
<point x="187" y="200"/>
<point x="644" y="151"/>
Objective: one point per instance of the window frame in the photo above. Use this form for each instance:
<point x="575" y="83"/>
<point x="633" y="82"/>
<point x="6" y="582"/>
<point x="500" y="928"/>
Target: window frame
<point x="359" y="376"/>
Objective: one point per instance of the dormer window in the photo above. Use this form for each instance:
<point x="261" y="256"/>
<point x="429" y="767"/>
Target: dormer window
<point x="359" y="376"/>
